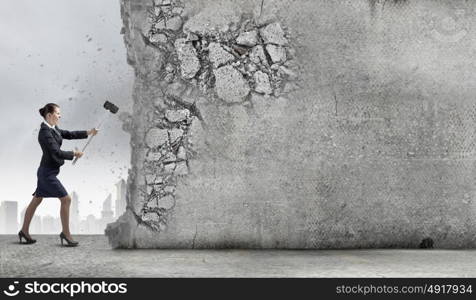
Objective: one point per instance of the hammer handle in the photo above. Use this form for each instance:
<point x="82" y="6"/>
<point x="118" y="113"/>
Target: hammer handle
<point x="90" y="139"/>
<point x="84" y="148"/>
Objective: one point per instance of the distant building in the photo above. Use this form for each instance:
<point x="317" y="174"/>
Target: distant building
<point x="89" y="226"/>
<point x="120" y="205"/>
<point x="8" y="217"/>
<point x="35" y="224"/>
<point x="51" y="225"/>
<point x="74" y="212"/>
<point x="107" y="215"/>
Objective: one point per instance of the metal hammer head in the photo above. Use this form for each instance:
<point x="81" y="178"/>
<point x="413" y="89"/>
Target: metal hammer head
<point x="111" y="107"/>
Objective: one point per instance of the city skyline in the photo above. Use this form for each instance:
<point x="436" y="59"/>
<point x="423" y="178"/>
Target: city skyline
<point x="79" y="72"/>
<point x="48" y="224"/>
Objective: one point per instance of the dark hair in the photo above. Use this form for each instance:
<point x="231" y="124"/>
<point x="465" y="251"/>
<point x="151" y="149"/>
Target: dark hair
<point x="48" y="108"/>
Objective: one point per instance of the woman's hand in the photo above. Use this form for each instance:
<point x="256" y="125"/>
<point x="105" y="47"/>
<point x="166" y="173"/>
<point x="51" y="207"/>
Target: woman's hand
<point x="78" y="154"/>
<point x="93" y="131"/>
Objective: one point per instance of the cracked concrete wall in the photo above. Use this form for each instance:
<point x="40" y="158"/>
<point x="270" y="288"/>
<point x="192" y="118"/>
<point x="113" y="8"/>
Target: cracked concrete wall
<point x="300" y="124"/>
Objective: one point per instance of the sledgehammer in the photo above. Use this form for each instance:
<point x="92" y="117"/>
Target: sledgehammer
<point x="109" y="107"/>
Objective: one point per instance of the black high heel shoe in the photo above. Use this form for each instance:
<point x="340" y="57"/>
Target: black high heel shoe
<point x="27" y="239"/>
<point x="70" y="243"/>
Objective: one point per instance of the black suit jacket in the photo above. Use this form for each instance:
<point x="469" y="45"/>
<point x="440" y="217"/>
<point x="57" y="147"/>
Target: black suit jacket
<point x="50" y="141"/>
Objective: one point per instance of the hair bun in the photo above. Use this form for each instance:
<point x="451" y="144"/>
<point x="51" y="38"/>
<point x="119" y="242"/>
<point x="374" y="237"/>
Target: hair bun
<point x="49" y="108"/>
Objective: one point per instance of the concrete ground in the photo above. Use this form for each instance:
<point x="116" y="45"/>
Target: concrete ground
<point x="94" y="258"/>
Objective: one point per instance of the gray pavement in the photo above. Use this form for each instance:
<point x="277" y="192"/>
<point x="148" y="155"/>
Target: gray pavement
<point x="94" y="258"/>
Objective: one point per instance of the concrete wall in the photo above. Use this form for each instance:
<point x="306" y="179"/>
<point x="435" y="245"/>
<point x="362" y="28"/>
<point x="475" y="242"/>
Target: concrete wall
<point x="363" y="135"/>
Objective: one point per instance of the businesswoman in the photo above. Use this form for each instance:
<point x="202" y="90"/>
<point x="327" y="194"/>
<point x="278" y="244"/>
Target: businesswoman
<point x="50" y="138"/>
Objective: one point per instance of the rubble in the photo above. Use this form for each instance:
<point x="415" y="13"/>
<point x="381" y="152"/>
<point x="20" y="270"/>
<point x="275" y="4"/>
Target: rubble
<point x="214" y="38"/>
<point x="158" y="38"/>
<point x="273" y="34"/>
<point x="156" y="137"/>
<point x="169" y="168"/>
<point x="177" y="115"/>
<point x="153" y="179"/>
<point x="277" y="53"/>
<point x="218" y="55"/>
<point x="181" y="154"/>
<point x="153" y="156"/>
<point x="230" y="84"/>
<point x="257" y="56"/>
<point x="174" y="23"/>
<point x="249" y="38"/>
<point x="262" y="83"/>
<point x="166" y="202"/>
<point x="150" y="216"/>
<point x="169" y="157"/>
<point x="175" y="134"/>
<point x="189" y="63"/>
<point x="152" y="203"/>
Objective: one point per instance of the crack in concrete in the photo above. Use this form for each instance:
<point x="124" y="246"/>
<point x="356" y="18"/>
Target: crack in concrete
<point x="261" y="8"/>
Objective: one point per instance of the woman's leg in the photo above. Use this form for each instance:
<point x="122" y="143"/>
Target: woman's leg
<point x="64" y="213"/>
<point x="30" y="211"/>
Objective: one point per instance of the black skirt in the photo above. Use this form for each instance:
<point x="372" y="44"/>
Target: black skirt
<point x="48" y="186"/>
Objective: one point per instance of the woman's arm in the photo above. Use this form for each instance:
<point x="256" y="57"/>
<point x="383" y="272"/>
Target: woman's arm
<point x="74" y="135"/>
<point x="52" y="146"/>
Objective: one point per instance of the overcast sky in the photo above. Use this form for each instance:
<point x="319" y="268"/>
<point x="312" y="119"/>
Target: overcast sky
<point x="71" y="53"/>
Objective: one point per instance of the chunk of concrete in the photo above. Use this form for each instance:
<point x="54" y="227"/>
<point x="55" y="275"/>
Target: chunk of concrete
<point x="153" y="156"/>
<point x="174" y="23"/>
<point x="181" y="153"/>
<point x="152" y="203"/>
<point x="258" y="56"/>
<point x="249" y="38"/>
<point x="160" y="25"/>
<point x="175" y="134"/>
<point x="175" y="89"/>
<point x="162" y="2"/>
<point x="169" y="168"/>
<point x="276" y="53"/>
<point x="187" y="55"/>
<point x="273" y="34"/>
<point x="169" y="157"/>
<point x="158" y="38"/>
<point x="154" y="179"/>
<point x="156" y="137"/>
<point x="166" y="202"/>
<point x="150" y="216"/>
<point x="218" y="56"/>
<point x="121" y="233"/>
<point x="263" y="85"/>
<point x="177" y="10"/>
<point x="175" y="116"/>
<point x="230" y="85"/>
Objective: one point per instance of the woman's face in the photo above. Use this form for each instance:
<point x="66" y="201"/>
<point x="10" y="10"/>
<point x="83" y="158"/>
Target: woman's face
<point x="53" y="118"/>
